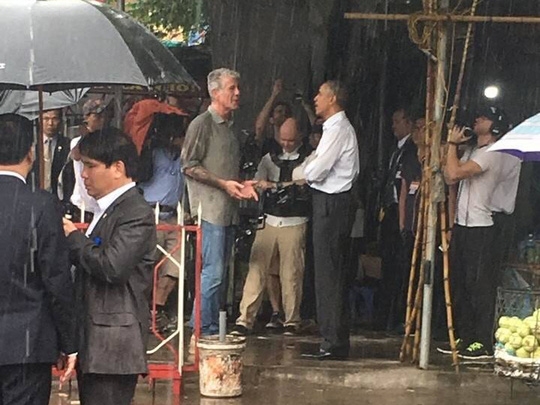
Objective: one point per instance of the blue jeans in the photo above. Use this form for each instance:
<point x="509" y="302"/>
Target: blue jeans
<point x="216" y="245"/>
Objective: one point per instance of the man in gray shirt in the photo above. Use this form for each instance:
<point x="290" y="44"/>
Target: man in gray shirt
<point x="211" y="161"/>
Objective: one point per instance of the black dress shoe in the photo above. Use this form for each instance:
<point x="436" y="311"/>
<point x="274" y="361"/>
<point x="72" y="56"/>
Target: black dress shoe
<point x="325" y="355"/>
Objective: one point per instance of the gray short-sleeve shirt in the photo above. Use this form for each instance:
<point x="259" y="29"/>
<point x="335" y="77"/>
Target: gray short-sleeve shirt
<point x="211" y="143"/>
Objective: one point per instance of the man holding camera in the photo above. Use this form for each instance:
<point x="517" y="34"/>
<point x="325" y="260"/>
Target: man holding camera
<point x="287" y="210"/>
<point x="487" y="189"/>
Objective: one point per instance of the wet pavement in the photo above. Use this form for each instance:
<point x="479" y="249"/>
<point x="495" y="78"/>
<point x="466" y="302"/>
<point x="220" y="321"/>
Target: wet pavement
<point x="273" y="392"/>
<point x="275" y="373"/>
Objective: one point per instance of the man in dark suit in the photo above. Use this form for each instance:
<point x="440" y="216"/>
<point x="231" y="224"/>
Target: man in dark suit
<point x="114" y="263"/>
<point x="396" y="241"/>
<point x="55" y="149"/>
<point x="36" y="293"/>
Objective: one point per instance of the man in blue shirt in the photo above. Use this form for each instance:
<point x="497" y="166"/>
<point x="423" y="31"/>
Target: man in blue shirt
<point x="163" y="191"/>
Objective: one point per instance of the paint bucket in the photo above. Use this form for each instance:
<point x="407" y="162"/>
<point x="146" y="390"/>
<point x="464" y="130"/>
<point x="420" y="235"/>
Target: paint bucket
<point x="220" y="366"/>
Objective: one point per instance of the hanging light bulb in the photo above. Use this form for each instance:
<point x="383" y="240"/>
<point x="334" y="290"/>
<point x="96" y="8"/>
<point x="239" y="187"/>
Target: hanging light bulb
<point x="491" y="92"/>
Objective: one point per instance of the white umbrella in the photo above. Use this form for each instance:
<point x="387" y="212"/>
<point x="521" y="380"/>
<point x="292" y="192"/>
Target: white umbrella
<point x="523" y="141"/>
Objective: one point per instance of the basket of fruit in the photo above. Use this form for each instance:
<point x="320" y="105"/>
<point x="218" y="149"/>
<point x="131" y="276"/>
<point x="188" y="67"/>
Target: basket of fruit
<point x="517" y="335"/>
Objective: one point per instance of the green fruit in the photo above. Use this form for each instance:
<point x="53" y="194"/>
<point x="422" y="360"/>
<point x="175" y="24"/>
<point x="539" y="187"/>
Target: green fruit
<point x="524" y="330"/>
<point x="510" y="349"/>
<point x="522" y="353"/>
<point x="515" y="323"/>
<point x="502" y="335"/>
<point x="534" y="323"/>
<point x="504" y="322"/>
<point x="530" y="322"/>
<point x="529" y="343"/>
<point x="515" y="340"/>
<point x="536" y="354"/>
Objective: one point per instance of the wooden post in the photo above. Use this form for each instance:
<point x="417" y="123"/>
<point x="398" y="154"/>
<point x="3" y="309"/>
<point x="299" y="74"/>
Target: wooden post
<point x="41" y="139"/>
<point x="447" y="289"/>
<point x="455" y="18"/>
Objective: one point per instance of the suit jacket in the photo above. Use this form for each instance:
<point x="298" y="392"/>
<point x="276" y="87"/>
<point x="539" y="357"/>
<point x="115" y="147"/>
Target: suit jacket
<point x="60" y="157"/>
<point x="407" y="154"/>
<point x="36" y="289"/>
<point x="113" y="286"/>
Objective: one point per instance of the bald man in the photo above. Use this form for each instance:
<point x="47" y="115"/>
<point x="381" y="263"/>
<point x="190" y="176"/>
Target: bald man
<point x="281" y="176"/>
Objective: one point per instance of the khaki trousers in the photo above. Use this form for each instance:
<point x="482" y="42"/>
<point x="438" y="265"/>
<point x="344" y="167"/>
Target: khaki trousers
<point x="288" y="243"/>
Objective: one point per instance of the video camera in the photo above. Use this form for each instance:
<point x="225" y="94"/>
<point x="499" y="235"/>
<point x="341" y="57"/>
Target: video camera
<point x="285" y="196"/>
<point x="250" y="155"/>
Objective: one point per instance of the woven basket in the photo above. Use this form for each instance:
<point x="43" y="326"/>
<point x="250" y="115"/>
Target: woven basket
<point x="515" y="367"/>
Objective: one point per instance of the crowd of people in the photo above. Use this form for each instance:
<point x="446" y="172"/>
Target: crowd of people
<point x="85" y="296"/>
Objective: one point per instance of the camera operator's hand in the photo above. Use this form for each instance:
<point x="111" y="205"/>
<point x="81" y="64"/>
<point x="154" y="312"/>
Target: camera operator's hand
<point x="457" y="136"/>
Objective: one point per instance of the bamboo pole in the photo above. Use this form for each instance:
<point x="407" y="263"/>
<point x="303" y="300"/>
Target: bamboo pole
<point x="443" y="18"/>
<point x="416" y="310"/>
<point x="446" y="281"/>
<point x="443" y="207"/>
<point x="417" y="252"/>
<point x="459" y="84"/>
<point x="406" y="349"/>
<point x="436" y="107"/>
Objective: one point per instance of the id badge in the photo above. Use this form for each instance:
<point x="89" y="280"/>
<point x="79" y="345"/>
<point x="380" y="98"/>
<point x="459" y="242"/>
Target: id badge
<point x="413" y="188"/>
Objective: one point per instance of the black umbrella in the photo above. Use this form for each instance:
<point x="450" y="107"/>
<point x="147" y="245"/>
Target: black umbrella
<point x="64" y="44"/>
<point x="51" y="45"/>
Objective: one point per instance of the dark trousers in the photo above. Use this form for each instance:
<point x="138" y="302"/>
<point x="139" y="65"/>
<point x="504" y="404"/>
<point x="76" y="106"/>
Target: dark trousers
<point x="308" y="306"/>
<point x="396" y="261"/>
<point x="503" y="238"/>
<point x="25" y="384"/>
<point x="106" y="389"/>
<point x="332" y="223"/>
<point x="473" y="280"/>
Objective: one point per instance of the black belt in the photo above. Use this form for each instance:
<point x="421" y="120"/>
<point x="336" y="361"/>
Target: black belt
<point x="164" y="208"/>
<point x="315" y="191"/>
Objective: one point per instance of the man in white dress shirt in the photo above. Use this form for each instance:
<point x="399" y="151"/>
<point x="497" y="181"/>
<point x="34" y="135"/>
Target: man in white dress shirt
<point x="96" y="118"/>
<point x="331" y="175"/>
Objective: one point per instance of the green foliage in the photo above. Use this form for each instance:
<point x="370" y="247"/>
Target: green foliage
<point x="166" y="15"/>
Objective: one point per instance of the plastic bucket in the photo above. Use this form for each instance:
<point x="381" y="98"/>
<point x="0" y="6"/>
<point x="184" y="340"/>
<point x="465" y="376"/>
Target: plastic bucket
<point x="220" y="366"/>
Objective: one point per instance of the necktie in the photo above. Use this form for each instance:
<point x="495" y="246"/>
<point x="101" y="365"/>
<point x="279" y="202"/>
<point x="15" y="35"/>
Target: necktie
<point x="47" y="157"/>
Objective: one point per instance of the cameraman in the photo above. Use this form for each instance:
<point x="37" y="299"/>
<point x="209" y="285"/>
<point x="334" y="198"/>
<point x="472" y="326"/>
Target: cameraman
<point x="287" y="209"/>
<point x="487" y="186"/>
<point x="162" y="183"/>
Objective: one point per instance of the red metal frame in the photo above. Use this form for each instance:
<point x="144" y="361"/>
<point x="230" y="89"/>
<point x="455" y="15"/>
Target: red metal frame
<point x="169" y="371"/>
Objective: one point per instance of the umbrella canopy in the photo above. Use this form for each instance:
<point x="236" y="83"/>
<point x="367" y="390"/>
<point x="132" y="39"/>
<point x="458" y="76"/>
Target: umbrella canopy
<point x="26" y="103"/>
<point x="66" y="44"/>
<point x="523" y="141"/>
